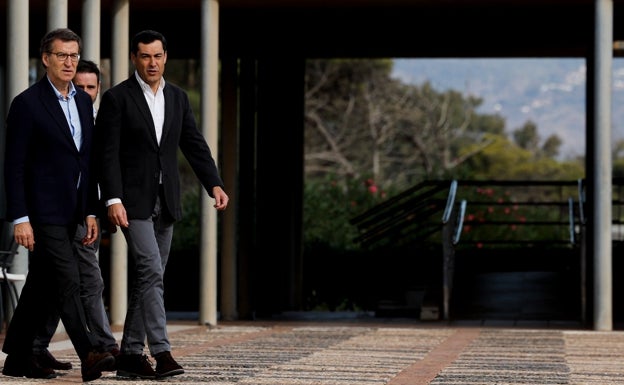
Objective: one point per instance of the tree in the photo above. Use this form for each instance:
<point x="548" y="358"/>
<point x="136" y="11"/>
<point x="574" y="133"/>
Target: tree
<point x="551" y="146"/>
<point x="527" y="137"/>
<point x="361" y="122"/>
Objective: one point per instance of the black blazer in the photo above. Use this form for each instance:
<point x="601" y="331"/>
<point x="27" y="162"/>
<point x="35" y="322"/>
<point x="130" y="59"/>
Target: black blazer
<point x="42" y="164"/>
<point x="131" y="158"/>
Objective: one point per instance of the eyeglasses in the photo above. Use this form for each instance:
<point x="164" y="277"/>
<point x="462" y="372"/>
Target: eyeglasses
<point x="62" y="56"/>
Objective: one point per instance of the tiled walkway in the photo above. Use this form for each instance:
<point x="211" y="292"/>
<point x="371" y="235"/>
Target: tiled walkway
<point x="347" y="352"/>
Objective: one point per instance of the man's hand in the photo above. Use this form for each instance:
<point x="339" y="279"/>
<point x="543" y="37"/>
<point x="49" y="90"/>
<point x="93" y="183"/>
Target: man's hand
<point x="92" y="231"/>
<point x="117" y="215"/>
<point x="24" y="235"/>
<point x="221" y="198"/>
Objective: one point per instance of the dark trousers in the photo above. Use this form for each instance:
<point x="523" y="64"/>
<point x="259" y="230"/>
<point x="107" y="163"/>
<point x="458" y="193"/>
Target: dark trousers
<point x="91" y="290"/>
<point x="53" y="281"/>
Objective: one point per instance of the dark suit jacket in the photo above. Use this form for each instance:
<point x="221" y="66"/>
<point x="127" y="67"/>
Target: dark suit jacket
<point x="42" y="164"/>
<point x="132" y="159"/>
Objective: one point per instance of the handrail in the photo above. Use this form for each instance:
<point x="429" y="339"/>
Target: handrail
<point x="571" y="215"/>
<point x="460" y="221"/>
<point x="495" y="204"/>
<point x="410" y="217"/>
<point x="450" y="202"/>
<point x="400" y="199"/>
<point x="581" y="196"/>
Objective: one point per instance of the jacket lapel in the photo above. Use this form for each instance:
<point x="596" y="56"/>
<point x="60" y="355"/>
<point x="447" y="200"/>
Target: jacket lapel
<point x="136" y="93"/>
<point x="51" y="104"/>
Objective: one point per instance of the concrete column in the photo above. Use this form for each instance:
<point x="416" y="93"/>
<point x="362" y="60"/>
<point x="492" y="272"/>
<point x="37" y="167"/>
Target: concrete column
<point x="17" y="81"/>
<point x="91" y="26"/>
<point x="57" y="14"/>
<point x="17" y="46"/>
<point x="119" y="248"/>
<point x="602" y="175"/>
<point x="210" y="129"/>
<point x="91" y="12"/>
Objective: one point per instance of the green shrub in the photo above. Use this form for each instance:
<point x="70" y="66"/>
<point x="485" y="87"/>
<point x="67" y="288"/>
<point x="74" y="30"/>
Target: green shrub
<point x="329" y="205"/>
<point x="186" y="231"/>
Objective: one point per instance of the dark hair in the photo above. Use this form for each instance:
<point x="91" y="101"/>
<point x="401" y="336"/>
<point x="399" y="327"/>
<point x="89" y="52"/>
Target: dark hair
<point x="62" y="34"/>
<point x="146" y="37"/>
<point x="89" y="67"/>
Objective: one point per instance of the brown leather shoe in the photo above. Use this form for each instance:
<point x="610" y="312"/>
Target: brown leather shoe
<point x="25" y="366"/>
<point x="115" y="353"/>
<point x="47" y="360"/>
<point x="95" y="364"/>
<point x="135" y="365"/>
<point x="166" y="366"/>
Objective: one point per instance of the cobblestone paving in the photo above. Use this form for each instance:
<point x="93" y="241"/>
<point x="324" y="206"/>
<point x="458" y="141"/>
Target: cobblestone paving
<point x="336" y="353"/>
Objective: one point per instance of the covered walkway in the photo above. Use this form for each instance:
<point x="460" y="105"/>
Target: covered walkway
<point x="252" y="55"/>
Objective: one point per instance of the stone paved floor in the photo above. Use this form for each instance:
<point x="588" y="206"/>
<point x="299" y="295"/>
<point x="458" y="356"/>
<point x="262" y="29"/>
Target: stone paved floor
<point x="340" y="352"/>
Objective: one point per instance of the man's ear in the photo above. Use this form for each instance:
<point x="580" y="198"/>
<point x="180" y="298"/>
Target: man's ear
<point x="45" y="59"/>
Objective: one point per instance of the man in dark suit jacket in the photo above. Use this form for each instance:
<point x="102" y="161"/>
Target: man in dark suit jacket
<point x="49" y="191"/>
<point x="91" y="281"/>
<point x="140" y="125"/>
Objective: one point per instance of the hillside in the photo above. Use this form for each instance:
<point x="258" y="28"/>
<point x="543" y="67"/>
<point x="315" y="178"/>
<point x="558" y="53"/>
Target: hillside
<point x="549" y="92"/>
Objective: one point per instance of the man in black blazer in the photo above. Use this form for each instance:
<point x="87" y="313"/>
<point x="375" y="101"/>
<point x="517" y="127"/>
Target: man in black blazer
<point x="140" y="125"/>
<point x="91" y="281"/>
<point x="49" y="191"/>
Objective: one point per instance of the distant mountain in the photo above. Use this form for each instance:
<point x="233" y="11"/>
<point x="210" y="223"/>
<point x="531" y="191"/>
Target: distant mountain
<point x="550" y="92"/>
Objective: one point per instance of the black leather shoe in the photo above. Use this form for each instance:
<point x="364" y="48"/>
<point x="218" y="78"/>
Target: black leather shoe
<point x="95" y="364"/>
<point x="135" y="365"/>
<point x="166" y="366"/>
<point x="25" y="366"/>
<point x="14" y="366"/>
<point x="47" y="360"/>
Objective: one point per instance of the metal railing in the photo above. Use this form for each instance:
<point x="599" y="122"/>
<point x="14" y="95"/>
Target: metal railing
<point x="452" y="209"/>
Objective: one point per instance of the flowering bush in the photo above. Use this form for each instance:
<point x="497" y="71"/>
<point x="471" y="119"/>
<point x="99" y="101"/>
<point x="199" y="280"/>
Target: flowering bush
<point x="329" y="205"/>
<point x="497" y="214"/>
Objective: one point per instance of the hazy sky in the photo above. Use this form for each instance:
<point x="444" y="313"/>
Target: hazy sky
<point x="549" y="92"/>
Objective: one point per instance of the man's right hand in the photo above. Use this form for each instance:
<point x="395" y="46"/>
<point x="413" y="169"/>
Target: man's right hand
<point x="117" y="215"/>
<point x="24" y="235"/>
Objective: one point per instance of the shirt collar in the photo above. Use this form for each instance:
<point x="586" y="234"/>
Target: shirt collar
<point x="145" y="87"/>
<point x="71" y="94"/>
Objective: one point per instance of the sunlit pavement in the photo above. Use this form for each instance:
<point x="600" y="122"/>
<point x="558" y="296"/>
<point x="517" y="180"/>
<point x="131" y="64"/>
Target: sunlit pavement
<point x="374" y="351"/>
